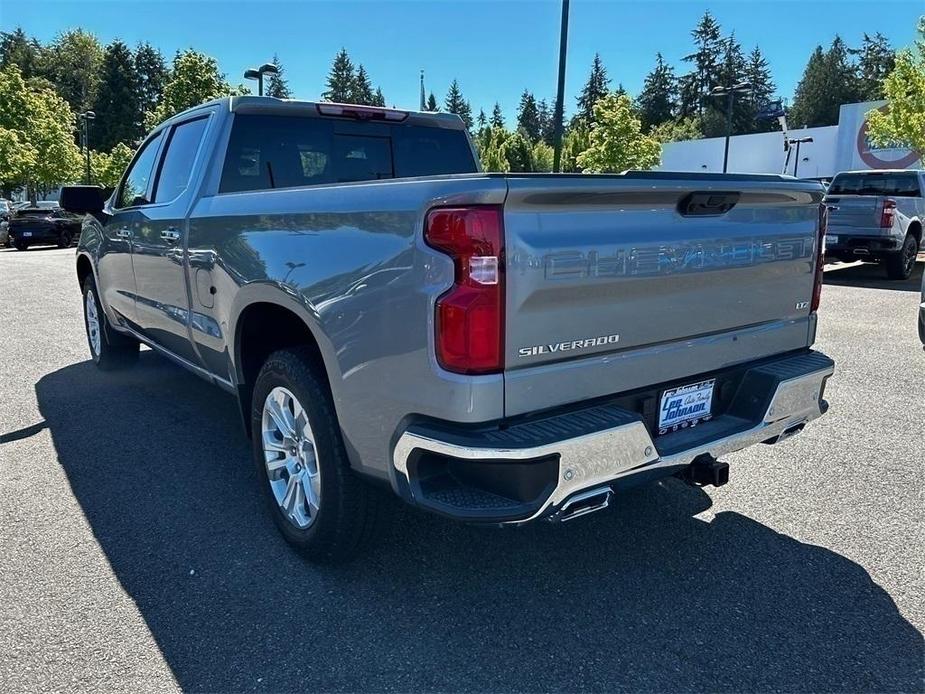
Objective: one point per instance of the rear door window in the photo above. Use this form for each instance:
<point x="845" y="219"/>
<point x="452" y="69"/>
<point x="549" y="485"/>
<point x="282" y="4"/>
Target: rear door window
<point x="892" y="184"/>
<point x="286" y="151"/>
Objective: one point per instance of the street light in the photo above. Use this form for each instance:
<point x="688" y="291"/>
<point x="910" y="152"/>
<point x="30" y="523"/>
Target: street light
<point x="86" y="117"/>
<point x="798" y="141"/>
<point x="258" y="73"/>
<point x="730" y="94"/>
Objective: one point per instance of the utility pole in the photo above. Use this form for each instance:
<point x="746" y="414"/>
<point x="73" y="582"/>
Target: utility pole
<point x="560" y="91"/>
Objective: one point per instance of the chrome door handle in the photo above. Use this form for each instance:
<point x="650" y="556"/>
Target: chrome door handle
<point x="124" y="233"/>
<point x="170" y="234"/>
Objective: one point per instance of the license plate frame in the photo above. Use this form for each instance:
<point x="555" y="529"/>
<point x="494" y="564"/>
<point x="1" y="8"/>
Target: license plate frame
<point x="27" y="234"/>
<point x="685" y="406"/>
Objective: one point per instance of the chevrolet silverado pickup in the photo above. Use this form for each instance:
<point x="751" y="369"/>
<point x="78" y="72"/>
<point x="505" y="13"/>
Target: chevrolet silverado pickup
<point x="493" y="348"/>
<point x="877" y="216"/>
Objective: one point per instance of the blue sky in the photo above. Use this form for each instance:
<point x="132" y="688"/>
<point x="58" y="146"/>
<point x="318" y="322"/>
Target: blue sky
<point x="495" y="49"/>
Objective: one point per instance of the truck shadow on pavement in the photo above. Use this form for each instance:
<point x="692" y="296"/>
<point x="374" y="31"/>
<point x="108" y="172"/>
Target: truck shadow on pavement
<point x="872" y="276"/>
<point x="643" y="597"/>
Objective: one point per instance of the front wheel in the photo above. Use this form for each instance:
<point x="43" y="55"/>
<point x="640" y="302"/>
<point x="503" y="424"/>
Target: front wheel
<point x="318" y="503"/>
<point x="899" y="266"/>
<point x="109" y="349"/>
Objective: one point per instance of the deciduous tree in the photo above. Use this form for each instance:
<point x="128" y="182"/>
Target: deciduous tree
<point x="195" y="78"/>
<point x="904" y="88"/>
<point x="616" y="140"/>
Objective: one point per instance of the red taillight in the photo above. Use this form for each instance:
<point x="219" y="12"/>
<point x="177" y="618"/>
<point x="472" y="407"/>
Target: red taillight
<point x="820" y="257"/>
<point x="886" y="216"/>
<point x="470" y="316"/>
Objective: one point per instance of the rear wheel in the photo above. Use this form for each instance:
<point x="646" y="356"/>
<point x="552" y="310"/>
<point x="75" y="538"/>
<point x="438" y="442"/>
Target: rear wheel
<point x="899" y="266"/>
<point x="20" y="246"/>
<point x="109" y="349"/>
<point x="318" y="503"/>
<point x="64" y="239"/>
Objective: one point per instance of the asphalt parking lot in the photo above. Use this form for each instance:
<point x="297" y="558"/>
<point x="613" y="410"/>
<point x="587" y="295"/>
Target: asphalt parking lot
<point x="136" y="555"/>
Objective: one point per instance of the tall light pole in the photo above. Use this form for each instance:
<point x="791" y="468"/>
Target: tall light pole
<point x="560" y="91"/>
<point x="730" y="94"/>
<point x="798" y="141"/>
<point x="86" y="117"/>
<point x="258" y="73"/>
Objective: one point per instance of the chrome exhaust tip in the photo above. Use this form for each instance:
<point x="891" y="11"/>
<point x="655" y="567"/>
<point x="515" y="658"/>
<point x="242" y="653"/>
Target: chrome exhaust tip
<point x="583" y="503"/>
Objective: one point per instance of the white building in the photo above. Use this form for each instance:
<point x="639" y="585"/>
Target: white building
<point x="834" y="148"/>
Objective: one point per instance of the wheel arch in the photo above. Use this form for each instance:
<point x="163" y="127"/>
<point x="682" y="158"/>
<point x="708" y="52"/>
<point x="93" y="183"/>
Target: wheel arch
<point x="263" y="325"/>
<point x="915" y="228"/>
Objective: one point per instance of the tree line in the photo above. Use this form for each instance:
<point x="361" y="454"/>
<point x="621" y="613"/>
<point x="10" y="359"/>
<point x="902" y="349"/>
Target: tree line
<point x="133" y="88"/>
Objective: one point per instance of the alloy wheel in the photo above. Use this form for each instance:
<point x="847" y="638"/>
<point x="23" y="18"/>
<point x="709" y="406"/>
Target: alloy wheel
<point x="93" y="323"/>
<point x="291" y="458"/>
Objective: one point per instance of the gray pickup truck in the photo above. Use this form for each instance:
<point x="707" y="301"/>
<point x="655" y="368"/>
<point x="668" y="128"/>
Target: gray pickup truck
<point x="493" y="348"/>
<point x="877" y="216"/>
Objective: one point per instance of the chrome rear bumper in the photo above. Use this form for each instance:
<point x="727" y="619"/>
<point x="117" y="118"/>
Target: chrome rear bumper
<point x="592" y="460"/>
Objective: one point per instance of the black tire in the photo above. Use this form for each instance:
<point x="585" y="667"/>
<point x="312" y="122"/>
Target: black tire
<point x="349" y="508"/>
<point x="899" y="266"/>
<point x="64" y="239"/>
<point x="116" y="350"/>
<point x="20" y="246"/>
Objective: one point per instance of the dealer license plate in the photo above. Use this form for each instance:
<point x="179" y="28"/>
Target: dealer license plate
<point x="27" y="233"/>
<point x="685" y="406"/>
<point x="831" y="240"/>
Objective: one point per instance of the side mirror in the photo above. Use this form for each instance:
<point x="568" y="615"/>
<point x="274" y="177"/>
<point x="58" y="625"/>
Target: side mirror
<point x="82" y="199"/>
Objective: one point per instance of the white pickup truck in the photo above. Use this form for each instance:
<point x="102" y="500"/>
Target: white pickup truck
<point x="877" y="216"/>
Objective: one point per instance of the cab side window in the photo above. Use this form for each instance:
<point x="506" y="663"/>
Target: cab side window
<point x="135" y="185"/>
<point x="177" y="165"/>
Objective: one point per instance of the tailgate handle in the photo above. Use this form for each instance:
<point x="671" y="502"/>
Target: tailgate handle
<point x="707" y="203"/>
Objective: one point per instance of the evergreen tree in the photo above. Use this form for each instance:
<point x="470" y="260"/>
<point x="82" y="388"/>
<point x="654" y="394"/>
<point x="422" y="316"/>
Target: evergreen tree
<point x="340" y="80"/>
<point x="497" y="118"/>
<point x="875" y="62"/>
<point x="278" y="85"/>
<point x="362" y="92"/>
<point x="16" y="48"/>
<point x="481" y="121"/>
<point x="656" y="102"/>
<point x="595" y="88"/>
<point x="151" y="73"/>
<point x="455" y="103"/>
<point x="378" y="98"/>
<point x="432" y="103"/>
<point x="528" y="117"/>
<point x="730" y="71"/>
<point x="828" y="81"/>
<point x="546" y="116"/>
<point x="116" y="104"/>
<point x="758" y="74"/>
<point x="706" y="60"/>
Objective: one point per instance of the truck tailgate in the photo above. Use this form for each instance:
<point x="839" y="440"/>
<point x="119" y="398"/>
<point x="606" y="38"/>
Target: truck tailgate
<point x="620" y="282"/>
<point x="854" y="212"/>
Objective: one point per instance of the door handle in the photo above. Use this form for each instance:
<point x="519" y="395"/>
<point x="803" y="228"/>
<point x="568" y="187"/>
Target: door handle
<point x="124" y="233"/>
<point x="170" y="234"/>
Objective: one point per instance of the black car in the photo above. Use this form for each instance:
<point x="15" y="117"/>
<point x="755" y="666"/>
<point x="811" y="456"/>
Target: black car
<point x="42" y="226"/>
